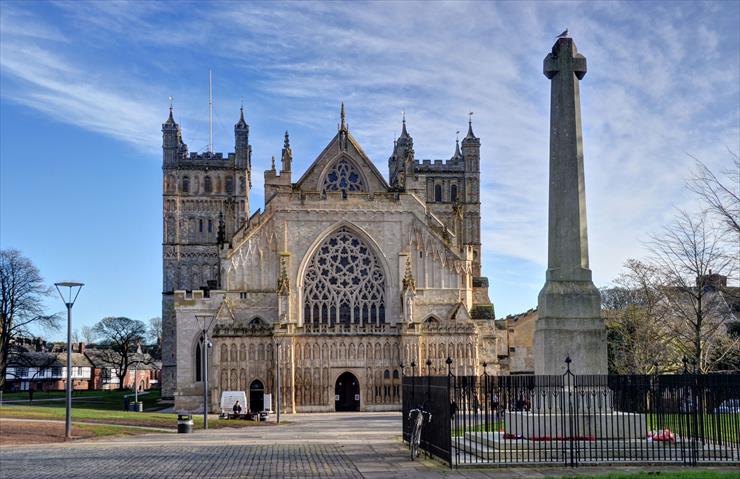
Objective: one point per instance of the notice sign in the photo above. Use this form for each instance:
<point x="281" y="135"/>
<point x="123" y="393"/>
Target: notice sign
<point x="336" y="397"/>
<point x="357" y="397"/>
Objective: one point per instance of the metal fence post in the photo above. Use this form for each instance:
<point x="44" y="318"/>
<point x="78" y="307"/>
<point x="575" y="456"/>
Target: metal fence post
<point x="568" y="383"/>
<point x="452" y="406"/>
<point x="413" y="382"/>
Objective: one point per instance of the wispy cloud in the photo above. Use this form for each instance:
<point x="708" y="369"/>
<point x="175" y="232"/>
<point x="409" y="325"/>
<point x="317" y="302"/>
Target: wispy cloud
<point x="653" y="92"/>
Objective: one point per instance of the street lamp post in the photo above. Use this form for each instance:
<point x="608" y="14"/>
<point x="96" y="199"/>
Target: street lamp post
<point x="69" y="301"/>
<point x="278" y="381"/>
<point x="206" y="346"/>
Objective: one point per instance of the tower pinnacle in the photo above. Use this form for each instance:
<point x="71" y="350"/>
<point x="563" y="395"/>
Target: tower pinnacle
<point x="470" y="134"/>
<point x="287" y="154"/>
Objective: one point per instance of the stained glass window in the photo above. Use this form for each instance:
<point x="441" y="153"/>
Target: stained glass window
<point x="344" y="283"/>
<point x="344" y="177"/>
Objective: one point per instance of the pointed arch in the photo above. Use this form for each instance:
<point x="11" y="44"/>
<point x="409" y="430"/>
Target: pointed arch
<point x="369" y="305"/>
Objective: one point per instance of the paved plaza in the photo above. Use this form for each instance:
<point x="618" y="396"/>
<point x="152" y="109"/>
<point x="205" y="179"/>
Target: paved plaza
<point x="349" y="445"/>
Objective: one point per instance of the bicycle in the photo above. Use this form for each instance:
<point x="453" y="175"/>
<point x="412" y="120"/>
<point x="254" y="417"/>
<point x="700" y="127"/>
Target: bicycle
<point x="416" y="425"/>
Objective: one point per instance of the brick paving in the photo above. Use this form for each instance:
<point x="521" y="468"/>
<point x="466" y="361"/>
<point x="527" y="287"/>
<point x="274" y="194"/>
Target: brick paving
<point x="349" y="446"/>
<point x="217" y="461"/>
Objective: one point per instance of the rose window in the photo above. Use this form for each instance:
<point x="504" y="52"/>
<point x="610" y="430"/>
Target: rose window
<point x="344" y="283"/>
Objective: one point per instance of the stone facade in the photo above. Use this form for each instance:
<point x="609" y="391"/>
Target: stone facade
<point x="516" y="342"/>
<point x="340" y="280"/>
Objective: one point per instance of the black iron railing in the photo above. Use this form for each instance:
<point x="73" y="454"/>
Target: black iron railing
<point x="572" y="419"/>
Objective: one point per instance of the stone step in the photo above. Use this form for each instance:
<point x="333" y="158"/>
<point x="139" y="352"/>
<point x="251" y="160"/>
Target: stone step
<point x="560" y="452"/>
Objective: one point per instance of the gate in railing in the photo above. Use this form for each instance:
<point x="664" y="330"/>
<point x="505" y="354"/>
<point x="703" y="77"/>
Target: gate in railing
<point x="572" y="419"/>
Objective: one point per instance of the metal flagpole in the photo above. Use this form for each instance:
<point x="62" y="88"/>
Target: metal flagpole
<point x="210" y="111"/>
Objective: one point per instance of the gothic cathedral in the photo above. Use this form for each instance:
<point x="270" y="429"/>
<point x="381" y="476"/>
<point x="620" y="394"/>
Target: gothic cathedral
<point x="339" y="286"/>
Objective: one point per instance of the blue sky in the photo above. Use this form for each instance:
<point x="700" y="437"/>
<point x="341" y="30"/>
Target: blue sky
<point x="84" y="89"/>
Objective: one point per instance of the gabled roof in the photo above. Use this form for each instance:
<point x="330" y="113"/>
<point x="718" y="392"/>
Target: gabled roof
<point x="332" y="151"/>
<point x="460" y="313"/>
<point x="105" y="358"/>
<point x="47" y="360"/>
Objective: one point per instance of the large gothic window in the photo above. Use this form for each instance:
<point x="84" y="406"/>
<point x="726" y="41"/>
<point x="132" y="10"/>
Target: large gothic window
<point x="344" y="283"/>
<point x="343" y="177"/>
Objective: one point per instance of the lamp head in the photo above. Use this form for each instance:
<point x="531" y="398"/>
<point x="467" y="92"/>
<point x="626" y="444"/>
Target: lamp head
<point x="69" y="300"/>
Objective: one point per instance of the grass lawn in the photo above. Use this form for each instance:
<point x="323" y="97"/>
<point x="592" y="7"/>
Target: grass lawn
<point x="107" y="400"/>
<point x="30" y="432"/>
<point x="493" y="426"/>
<point x="23" y="395"/>
<point x="115" y="416"/>
<point x="664" y="475"/>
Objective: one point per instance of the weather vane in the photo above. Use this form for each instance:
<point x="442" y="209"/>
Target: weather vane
<point x="171" y="102"/>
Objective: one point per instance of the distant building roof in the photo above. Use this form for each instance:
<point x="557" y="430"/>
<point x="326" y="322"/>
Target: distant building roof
<point x="47" y="360"/>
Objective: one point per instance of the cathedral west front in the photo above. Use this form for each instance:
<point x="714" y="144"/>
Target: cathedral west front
<point x="333" y="289"/>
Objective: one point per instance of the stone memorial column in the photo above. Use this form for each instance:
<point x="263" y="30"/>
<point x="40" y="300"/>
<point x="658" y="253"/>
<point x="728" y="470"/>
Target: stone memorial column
<point x="569" y="306"/>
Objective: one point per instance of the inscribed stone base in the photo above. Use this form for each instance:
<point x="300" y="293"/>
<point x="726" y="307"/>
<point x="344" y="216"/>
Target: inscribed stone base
<point x="584" y="341"/>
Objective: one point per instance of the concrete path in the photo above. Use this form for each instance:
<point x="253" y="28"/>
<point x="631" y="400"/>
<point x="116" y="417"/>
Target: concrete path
<point x="337" y="445"/>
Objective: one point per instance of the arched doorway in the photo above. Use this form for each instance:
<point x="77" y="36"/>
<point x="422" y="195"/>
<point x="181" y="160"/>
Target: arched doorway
<point x="347" y="393"/>
<point x="256" y="396"/>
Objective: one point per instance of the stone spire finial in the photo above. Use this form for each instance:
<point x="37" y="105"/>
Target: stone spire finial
<point x="408" y="278"/>
<point x="241" y="124"/>
<point x="287" y="154"/>
<point x="342" y="122"/>
<point x="170" y="118"/>
<point x="404" y="133"/>
<point x="457" y="154"/>
<point x="273" y="163"/>
<point x="470" y="134"/>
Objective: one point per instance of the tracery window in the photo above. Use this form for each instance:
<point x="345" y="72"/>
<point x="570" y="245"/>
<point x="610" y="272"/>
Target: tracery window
<point x="343" y="177"/>
<point x="344" y="283"/>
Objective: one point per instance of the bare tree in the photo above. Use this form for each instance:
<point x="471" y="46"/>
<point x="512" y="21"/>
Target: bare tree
<point x="639" y="341"/>
<point x="154" y="334"/>
<point x="121" y="338"/>
<point x="721" y="194"/>
<point x="22" y="292"/>
<point x="88" y="334"/>
<point x="689" y="258"/>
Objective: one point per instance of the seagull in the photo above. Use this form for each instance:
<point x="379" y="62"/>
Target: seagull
<point x="563" y="35"/>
